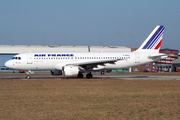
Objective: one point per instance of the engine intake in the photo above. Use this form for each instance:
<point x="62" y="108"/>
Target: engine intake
<point x="70" y="70"/>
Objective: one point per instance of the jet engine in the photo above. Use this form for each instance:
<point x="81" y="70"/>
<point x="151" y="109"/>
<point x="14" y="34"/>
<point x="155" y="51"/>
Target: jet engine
<point x="56" y="72"/>
<point x="70" y="70"/>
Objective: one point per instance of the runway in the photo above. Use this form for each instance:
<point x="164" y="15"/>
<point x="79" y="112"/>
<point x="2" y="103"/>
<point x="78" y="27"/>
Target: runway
<point x="129" y="76"/>
<point x="134" y="77"/>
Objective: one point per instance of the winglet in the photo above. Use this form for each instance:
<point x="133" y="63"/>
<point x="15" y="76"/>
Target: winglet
<point x="153" y="41"/>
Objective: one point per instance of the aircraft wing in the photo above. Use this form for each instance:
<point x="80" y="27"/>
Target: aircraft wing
<point x="94" y="63"/>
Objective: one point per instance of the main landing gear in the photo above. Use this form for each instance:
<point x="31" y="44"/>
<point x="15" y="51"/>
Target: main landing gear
<point x="88" y="76"/>
<point x="80" y="75"/>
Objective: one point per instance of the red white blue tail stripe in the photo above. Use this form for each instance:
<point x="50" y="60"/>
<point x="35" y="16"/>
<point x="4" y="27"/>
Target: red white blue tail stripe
<point x="153" y="41"/>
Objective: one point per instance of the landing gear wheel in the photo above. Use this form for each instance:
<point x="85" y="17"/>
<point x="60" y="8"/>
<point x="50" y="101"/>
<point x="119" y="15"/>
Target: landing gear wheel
<point x="28" y="77"/>
<point x="102" y="72"/>
<point x="89" y="75"/>
<point x="28" y="74"/>
<point x="80" y="75"/>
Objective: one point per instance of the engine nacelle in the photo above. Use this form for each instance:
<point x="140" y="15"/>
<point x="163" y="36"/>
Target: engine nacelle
<point x="70" y="70"/>
<point x="56" y="72"/>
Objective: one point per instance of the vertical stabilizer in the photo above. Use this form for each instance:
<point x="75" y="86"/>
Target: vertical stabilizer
<point x="153" y="41"/>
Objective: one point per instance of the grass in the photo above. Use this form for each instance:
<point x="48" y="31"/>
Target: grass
<point x="81" y="99"/>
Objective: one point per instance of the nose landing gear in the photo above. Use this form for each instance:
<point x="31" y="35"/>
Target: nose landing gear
<point x="28" y="77"/>
<point x="28" y="74"/>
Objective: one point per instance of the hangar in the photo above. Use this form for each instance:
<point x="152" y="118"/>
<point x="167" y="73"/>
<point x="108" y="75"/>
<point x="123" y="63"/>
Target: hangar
<point x="8" y="51"/>
<point x="176" y="65"/>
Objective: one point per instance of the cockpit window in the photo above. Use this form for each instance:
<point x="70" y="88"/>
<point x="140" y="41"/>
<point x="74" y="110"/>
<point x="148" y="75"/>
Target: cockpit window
<point x="16" y="58"/>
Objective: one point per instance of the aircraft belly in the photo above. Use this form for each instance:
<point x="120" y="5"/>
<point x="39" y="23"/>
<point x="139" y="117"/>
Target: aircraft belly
<point x="119" y="65"/>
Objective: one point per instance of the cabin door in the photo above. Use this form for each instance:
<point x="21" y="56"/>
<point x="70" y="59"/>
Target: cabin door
<point x="29" y="59"/>
<point x="137" y="58"/>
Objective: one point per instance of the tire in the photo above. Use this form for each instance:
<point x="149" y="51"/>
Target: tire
<point x="80" y="75"/>
<point x="28" y="77"/>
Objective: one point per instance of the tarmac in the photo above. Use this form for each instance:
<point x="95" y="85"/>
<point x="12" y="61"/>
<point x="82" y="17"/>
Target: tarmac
<point x="97" y="75"/>
<point x="134" y="77"/>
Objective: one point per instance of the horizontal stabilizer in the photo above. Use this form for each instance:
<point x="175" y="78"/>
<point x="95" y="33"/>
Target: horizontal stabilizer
<point x="157" y="56"/>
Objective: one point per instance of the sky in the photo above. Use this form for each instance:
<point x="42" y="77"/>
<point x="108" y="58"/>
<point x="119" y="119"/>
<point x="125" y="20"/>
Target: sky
<point x="88" y="22"/>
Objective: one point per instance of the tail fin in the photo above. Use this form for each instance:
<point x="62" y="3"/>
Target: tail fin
<point x="153" y="41"/>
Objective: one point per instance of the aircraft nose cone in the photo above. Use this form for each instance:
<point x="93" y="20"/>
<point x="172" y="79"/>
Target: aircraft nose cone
<point x="8" y="64"/>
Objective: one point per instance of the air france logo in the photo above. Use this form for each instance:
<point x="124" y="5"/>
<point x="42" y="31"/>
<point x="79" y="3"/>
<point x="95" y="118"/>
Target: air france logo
<point x="53" y="55"/>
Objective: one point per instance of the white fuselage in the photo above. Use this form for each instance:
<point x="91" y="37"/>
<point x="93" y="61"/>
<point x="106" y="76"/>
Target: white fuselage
<point x="55" y="61"/>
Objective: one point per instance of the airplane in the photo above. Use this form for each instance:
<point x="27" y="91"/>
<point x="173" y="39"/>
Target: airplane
<point x="77" y="63"/>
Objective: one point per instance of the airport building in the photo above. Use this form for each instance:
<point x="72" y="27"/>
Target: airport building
<point x="166" y="63"/>
<point x="148" y="67"/>
<point x="176" y="65"/>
